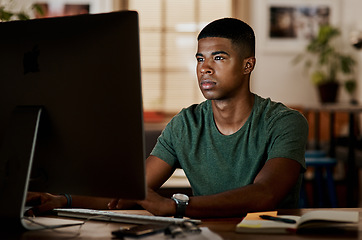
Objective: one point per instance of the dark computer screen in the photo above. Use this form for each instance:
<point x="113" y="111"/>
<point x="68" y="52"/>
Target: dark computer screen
<point x="83" y="72"/>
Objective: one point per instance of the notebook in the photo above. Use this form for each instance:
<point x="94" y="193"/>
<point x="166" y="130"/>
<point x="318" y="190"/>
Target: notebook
<point x="311" y="221"/>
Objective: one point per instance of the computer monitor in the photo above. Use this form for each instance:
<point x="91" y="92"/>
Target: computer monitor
<point x="81" y="75"/>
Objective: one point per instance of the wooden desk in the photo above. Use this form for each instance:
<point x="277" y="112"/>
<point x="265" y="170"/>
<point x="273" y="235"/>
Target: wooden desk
<point x="225" y="228"/>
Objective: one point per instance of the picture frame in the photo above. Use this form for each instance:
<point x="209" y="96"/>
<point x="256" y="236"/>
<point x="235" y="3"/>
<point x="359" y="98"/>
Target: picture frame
<point x="54" y="8"/>
<point x="287" y="26"/>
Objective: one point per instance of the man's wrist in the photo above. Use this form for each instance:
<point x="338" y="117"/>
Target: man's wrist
<point x="181" y="201"/>
<point x="67" y="200"/>
<point x="173" y="207"/>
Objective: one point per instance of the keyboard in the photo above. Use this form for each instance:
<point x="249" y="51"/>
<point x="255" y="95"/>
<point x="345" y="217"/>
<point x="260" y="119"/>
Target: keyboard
<point x="118" y="216"/>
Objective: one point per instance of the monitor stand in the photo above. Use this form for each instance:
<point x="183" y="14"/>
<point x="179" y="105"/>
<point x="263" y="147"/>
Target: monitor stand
<point x="16" y="156"/>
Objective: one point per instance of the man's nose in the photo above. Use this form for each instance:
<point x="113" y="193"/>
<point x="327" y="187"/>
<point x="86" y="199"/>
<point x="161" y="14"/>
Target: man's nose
<point x="206" y="68"/>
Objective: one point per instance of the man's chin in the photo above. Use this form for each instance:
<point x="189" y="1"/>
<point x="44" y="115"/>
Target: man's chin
<point x="209" y="95"/>
<point x="212" y="97"/>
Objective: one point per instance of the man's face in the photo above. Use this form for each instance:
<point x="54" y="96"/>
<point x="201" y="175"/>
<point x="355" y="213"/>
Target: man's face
<point x="220" y="69"/>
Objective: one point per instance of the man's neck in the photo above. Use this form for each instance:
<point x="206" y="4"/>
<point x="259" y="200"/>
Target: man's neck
<point x="231" y="115"/>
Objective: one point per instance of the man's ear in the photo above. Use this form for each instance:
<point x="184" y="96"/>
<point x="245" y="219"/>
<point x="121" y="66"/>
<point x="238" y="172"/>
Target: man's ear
<point x="249" y="64"/>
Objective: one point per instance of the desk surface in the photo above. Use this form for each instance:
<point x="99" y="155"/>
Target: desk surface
<point x="225" y="228"/>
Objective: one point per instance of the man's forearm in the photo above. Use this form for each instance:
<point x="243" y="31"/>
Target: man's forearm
<point x="231" y="203"/>
<point x="271" y="185"/>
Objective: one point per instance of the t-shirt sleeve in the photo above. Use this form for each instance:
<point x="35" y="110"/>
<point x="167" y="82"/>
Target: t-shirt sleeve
<point x="164" y="148"/>
<point x="288" y="137"/>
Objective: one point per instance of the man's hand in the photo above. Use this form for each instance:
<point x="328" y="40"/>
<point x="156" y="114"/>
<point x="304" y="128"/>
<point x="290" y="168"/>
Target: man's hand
<point x="44" y="202"/>
<point x="119" y="203"/>
<point x="154" y="203"/>
<point x="157" y="172"/>
<point x="158" y="205"/>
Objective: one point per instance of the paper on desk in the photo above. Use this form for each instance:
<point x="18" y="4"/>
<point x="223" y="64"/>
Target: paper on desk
<point x="255" y="216"/>
<point x="205" y="234"/>
<point x="38" y="223"/>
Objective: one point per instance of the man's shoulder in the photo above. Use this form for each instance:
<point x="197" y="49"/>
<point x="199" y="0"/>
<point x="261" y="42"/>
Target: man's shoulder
<point x="190" y="117"/>
<point x="194" y="111"/>
<point x="270" y="107"/>
<point x="275" y="111"/>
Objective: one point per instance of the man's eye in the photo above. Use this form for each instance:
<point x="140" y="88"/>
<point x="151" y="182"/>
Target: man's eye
<point x="199" y="59"/>
<point x="219" y="58"/>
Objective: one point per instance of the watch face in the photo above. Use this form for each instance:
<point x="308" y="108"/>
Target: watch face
<point x="181" y="197"/>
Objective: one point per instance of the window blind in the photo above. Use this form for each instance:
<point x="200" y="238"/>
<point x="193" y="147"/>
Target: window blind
<point x="168" y="32"/>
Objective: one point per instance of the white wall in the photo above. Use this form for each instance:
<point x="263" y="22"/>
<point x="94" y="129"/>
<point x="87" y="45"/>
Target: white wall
<point x="352" y="20"/>
<point x="275" y="76"/>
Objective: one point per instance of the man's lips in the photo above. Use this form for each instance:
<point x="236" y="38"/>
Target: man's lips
<point x="207" y="84"/>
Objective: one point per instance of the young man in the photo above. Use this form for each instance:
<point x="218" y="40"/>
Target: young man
<point x="240" y="152"/>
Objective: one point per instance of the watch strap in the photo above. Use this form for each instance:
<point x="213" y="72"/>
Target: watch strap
<point x="180" y="208"/>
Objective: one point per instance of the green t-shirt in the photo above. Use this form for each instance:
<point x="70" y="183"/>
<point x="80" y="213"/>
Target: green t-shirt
<point x="215" y="163"/>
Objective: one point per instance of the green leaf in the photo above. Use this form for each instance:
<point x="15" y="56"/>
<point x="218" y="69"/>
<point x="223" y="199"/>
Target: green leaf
<point x="347" y="64"/>
<point x="318" y="77"/>
<point x="38" y="9"/>
<point x="350" y="86"/>
<point x="22" y="16"/>
<point x="5" y="15"/>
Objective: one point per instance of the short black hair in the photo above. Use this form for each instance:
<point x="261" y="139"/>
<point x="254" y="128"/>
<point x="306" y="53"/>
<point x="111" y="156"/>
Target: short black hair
<point x="239" y="32"/>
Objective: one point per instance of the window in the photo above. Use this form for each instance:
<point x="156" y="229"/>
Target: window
<point x="168" y="32"/>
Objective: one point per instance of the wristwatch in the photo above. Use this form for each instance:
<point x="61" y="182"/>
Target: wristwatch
<point x="182" y="201"/>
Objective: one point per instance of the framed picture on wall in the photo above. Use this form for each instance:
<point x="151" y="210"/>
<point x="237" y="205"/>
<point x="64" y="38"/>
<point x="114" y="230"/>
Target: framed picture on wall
<point x="54" y="8"/>
<point x="289" y="25"/>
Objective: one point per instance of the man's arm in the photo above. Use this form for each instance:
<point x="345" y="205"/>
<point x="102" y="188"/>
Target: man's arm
<point x="157" y="173"/>
<point x="270" y="186"/>
<point x="45" y="202"/>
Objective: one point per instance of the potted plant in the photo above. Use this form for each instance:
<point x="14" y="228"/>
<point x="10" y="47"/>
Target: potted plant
<point x="327" y="65"/>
